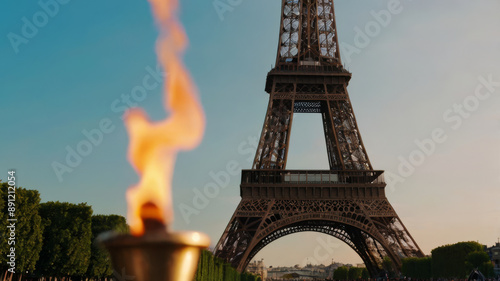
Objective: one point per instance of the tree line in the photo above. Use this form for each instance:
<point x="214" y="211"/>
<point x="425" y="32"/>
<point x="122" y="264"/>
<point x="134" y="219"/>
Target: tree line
<point x="55" y="239"/>
<point x="450" y="261"/>
<point x="350" y="273"/>
<point x="215" y="269"/>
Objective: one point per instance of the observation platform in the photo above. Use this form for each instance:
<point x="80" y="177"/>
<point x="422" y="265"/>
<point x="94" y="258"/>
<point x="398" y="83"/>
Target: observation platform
<point x="312" y="184"/>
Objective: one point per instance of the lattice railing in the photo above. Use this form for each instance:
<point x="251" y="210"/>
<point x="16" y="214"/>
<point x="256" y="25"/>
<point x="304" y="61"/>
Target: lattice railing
<point x="311" y="176"/>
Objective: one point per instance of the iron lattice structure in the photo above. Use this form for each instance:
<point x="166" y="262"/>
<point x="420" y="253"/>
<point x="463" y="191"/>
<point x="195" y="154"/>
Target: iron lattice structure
<point x="347" y="201"/>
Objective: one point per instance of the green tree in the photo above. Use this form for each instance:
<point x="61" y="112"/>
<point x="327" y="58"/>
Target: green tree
<point x="246" y="276"/>
<point x="420" y="268"/>
<point x="67" y="239"/>
<point x="488" y="269"/>
<point x="365" y="274"/>
<point x="28" y="227"/>
<point x="481" y="261"/>
<point x="341" y="273"/>
<point x="100" y="262"/>
<point x="448" y="261"/>
<point x="230" y="273"/>
<point x="388" y="267"/>
<point x="197" y="276"/>
<point x="354" y="273"/>
<point x="206" y="265"/>
<point x="476" y="259"/>
<point x="211" y="268"/>
<point x="291" y="276"/>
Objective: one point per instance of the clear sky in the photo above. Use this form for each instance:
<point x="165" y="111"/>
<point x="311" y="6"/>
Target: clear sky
<point x="69" y="69"/>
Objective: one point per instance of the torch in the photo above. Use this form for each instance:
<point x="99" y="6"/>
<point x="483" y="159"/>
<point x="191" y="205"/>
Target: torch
<point x="152" y="252"/>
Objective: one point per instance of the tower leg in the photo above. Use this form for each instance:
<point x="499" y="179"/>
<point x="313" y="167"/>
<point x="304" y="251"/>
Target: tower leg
<point x="273" y="145"/>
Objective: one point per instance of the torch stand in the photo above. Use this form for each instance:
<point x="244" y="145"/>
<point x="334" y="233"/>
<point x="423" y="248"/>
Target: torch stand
<point x="155" y="256"/>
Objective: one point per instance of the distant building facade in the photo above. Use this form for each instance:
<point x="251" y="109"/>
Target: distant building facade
<point x="494" y="253"/>
<point x="258" y="268"/>
<point x="308" y="272"/>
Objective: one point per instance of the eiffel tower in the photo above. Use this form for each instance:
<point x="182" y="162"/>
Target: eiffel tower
<point x="347" y="201"/>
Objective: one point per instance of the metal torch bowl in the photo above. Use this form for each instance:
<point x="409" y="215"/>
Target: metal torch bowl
<point x="155" y="256"/>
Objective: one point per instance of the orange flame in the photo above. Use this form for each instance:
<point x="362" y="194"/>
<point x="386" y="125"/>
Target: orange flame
<point x="153" y="146"/>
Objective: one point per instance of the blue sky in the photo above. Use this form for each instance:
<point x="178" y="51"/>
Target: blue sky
<point x="76" y="68"/>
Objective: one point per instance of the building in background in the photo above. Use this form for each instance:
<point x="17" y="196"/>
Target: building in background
<point x="308" y="272"/>
<point x="258" y="268"/>
<point x="494" y="253"/>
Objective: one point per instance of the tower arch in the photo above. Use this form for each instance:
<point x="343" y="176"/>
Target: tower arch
<point x="358" y="239"/>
